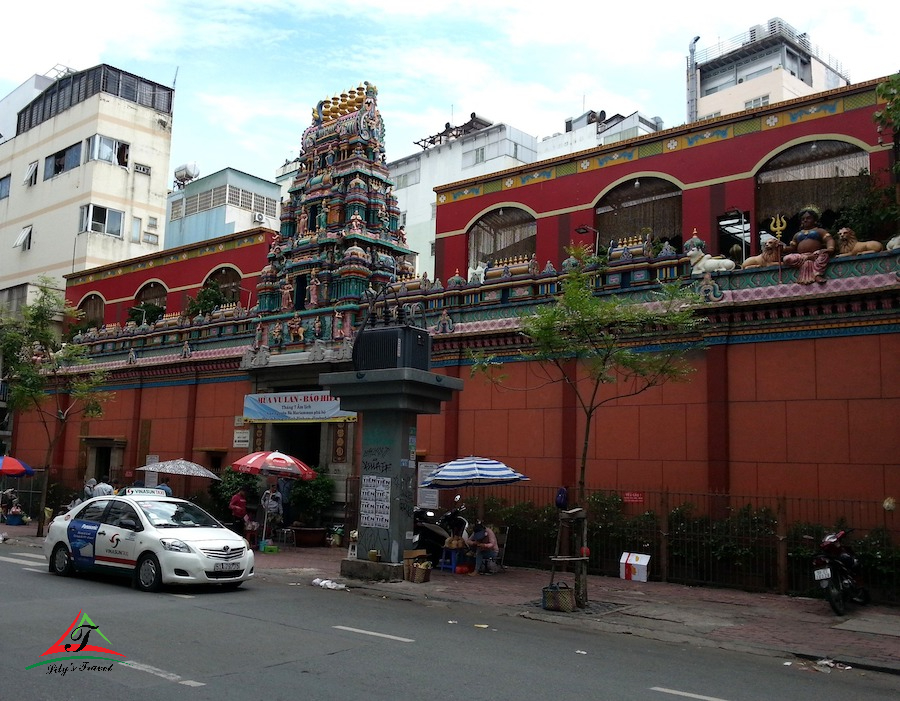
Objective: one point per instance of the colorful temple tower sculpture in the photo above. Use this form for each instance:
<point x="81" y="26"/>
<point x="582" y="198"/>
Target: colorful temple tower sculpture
<point x="339" y="233"/>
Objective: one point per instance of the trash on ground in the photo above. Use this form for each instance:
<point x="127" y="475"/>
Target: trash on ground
<point x="327" y="584"/>
<point x="480" y="625"/>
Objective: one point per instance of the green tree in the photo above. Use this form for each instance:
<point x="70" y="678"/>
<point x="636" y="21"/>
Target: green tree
<point x="209" y="297"/>
<point x="43" y="372"/>
<point x="586" y="341"/>
<point x="888" y="117"/>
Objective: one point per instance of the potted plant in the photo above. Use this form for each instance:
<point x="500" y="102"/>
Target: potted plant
<point x="311" y="500"/>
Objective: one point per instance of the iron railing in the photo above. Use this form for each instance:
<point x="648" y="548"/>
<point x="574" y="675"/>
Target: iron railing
<point x="756" y="543"/>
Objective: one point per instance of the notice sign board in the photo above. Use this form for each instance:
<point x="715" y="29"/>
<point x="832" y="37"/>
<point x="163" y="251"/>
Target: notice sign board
<point x="426" y="496"/>
<point x="296" y="407"/>
<point x="375" y="502"/>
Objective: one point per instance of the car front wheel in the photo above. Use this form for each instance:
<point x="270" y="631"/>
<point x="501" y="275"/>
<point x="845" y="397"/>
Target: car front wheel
<point x="148" y="575"/>
<point x="61" y="561"/>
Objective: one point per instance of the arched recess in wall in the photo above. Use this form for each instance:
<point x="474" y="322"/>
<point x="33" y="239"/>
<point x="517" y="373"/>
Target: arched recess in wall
<point x="92" y="309"/>
<point x="153" y="292"/>
<point x="502" y="234"/>
<point x="228" y="280"/>
<point x="639" y="203"/>
<point x="827" y="173"/>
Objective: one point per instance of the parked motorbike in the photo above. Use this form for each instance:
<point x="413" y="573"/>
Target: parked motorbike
<point x="837" y="570"/>
<point x="431" y="530"/>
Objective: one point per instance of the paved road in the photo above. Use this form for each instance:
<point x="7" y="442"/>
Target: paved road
<point x="281" y="638"/>
<point x="767" y="624"/>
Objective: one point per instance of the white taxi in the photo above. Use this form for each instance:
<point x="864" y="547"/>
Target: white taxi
<point x="153" y="538"/>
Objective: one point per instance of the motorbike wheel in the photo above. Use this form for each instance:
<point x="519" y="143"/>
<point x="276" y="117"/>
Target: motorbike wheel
<point x="835" y="597"/>
<point x="861" y="596"/>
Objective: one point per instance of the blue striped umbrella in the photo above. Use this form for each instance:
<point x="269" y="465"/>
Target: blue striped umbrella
<point x="471" y="472"/>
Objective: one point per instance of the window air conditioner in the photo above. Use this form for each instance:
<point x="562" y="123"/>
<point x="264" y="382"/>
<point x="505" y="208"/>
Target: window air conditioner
<point x="259" y="217"/>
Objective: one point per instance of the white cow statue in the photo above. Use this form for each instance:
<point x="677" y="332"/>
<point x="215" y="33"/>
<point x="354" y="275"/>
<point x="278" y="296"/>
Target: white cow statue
<point x="704" y="263"/>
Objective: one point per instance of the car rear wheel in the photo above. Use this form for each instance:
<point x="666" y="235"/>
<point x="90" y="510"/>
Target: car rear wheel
<point x="148" y="575"/>
<point x="61" y="561"/>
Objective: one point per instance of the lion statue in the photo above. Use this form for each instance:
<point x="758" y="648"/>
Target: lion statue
<point x="849" y="245"/>
<point x="771" y="255"/>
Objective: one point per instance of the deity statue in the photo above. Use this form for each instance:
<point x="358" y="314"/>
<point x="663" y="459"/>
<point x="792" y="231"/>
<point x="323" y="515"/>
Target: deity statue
<point x="810" y="249"/>
<point x="312" y="290"/>
<point x="322" y="218"/>
<point x="287" y="297"/>
<point x="337" y="325"/>
<point x="445" y="323"/>
<point x="295" y="328"/>
<point x="534" y="268"/>
<point x="302" y="222"/>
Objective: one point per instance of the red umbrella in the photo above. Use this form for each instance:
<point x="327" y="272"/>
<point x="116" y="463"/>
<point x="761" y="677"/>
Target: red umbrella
<point x="11" y="467"/>
<point x="275" y="464"/>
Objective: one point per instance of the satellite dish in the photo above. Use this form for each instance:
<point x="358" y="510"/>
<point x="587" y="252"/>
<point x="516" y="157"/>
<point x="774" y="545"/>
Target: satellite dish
<point x="187" y="172"/>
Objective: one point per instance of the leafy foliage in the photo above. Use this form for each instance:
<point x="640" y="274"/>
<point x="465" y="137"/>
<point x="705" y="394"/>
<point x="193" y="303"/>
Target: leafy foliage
<point x="146" y="311"/>
<point x="312" y="499"/>
<point x="43" y="372"/>
<point x="587" y="341"/>
<point x="221" y="491"/>
<point x="888" y="117"/>
<point x="209" y="297"/>
<point x="868" y="208"/>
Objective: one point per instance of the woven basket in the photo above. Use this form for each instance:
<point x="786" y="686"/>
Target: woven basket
<point x="420" y="574"/>
<point x="558" y="597"/>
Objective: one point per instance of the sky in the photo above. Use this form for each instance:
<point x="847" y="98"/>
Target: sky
<point x="247" y="74"/>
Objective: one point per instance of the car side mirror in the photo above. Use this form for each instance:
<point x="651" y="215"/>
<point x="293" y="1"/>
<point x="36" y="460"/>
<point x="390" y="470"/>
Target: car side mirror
<point x="129" y="524"/>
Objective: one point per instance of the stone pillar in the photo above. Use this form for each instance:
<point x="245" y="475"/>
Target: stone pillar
<point x="389" y="402"/>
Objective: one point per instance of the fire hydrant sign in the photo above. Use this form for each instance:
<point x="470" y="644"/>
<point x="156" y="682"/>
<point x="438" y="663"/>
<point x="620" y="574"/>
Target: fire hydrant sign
<point x="375" y="502"/>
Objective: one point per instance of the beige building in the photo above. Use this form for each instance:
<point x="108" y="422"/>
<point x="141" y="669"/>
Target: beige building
<point x="83" y="174"/>
<point x="768" y="63"/>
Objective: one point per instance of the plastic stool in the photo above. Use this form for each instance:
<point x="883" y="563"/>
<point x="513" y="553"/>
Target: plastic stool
<point x="448" y="559"/>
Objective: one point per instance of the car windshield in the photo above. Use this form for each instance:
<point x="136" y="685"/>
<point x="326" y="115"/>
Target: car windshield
<point x="177" y="514"/>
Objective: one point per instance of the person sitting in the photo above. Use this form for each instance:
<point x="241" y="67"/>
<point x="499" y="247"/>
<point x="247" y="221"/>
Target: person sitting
<point x="484" y="542"/>
<point x="810" y="249"/>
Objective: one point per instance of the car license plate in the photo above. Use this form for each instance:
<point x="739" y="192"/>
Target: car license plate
<point x="226" y="566"/>
<point x="824" y="573"/>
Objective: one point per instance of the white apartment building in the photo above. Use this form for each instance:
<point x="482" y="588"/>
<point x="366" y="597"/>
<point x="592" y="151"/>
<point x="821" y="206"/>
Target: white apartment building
<point x="83" y="175"/>
<point x="766" y="64"/>
<point x="479" y="147"/>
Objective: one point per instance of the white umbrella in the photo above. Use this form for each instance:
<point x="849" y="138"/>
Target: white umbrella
<point x="471" y="472"/>
<point x="180" y="467"/>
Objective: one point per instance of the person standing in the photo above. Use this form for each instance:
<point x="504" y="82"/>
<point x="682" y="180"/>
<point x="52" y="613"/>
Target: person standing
<point x="238" y="507"/>
<point x="103" y="488"/>
<point x="89" y="488"/>
<point x="164" y="485"/>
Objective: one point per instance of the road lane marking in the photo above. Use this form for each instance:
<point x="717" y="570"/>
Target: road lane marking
<point x="16" y="562"/>
<point x="155" y="671"/>
<point x="28" y="569"/>
<point x="37" y="556"/>
<point x="377" y="635"/>
<point x="684" y="693"/>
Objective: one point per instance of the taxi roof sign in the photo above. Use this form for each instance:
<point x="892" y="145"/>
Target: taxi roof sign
<point x="144" y="491"/>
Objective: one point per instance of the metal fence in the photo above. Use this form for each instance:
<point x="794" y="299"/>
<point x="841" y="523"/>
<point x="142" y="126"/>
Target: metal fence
<point x="756" y="543"/>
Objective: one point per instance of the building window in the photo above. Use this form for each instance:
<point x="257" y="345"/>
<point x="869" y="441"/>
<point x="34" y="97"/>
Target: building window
<point x="433" y="211"/>
<point x="151" y="222"/>
<point x="756" y="102"/>
<point x="151" y="238"/>
<point x="401" y="181"/>
<point x="479" y="154"/>
<point x="4" y="186"/>
<point x="23" y="239"/>
<point x="102" y="148"/>
<point x="102" y="220"/>
<point x="136" y="225"/>
<point x="61" y="161"/>
<point x="177" y="209"/>
<point x="31" y="174"/>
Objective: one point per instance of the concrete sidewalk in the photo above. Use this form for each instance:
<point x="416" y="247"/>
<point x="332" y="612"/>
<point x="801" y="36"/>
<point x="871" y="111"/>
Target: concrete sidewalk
<point x="803" y="630"/>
